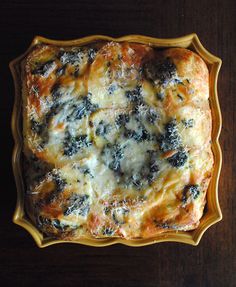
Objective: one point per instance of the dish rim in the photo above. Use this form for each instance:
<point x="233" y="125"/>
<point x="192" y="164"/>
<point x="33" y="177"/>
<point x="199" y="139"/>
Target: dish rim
<point x="213" y="214"/>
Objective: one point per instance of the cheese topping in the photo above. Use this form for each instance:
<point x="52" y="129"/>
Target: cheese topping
<point x="116" y="139"/>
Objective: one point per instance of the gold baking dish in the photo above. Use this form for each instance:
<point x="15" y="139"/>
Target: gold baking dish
<point x="212" y="212"/>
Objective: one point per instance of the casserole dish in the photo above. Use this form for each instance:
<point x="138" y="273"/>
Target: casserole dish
<point x="212" y="213"/>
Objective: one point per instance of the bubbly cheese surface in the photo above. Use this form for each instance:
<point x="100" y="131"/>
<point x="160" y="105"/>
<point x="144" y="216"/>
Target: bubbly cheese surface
<point x="116" y="139"/>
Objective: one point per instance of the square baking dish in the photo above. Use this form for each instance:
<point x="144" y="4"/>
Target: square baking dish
<point x="212" y="211"/>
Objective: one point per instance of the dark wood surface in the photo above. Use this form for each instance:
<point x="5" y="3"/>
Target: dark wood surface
<point x="213" y="262"/>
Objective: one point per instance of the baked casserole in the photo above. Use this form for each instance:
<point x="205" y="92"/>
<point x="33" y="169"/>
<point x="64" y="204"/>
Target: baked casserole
<point x="117" y="139"/>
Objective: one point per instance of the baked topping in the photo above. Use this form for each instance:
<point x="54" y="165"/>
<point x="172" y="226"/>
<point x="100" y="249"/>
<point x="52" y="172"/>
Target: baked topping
<point x="116" y="142"/>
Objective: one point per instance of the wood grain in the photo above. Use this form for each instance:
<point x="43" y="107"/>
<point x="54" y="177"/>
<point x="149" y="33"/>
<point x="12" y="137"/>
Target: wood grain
<point x="213" y="262"/>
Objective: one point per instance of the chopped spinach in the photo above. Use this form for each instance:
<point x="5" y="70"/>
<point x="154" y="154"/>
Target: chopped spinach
<point x="160" y="96"/>
<point x="44" y="69"/>
<point x="134" y="95"/>
<point x="162" y="70"/>
<point x="91" y="54"/>
<point x="136" y="181"/>
<point x="153" y="167"/>
<point x="77" y="204"/>
<point x="138" y="135"/>
<point x="71" y="57"/>
<point x="55" y="92"/>
<point x="83" y="109"/>
<point x="179" y="159"/>
<point x="103" y="129"/>
<point x="121" y="120"/>
<point x="54" y="110"/>
<point x="42" y="220"/>
<point x="61" y="70"/>
<point x="107" y="210"/>
<point x="57" y="224"/>
<point x="188" y="123"/>
<point x="86" y="170"/>
<point x="36" y="126"/>
<point x="72" y="144"/>
<point x="170" y="140"/>
<point x="113" y="155"/>
<point x="47" y="225"/>
<point x="152" y="116"/>
<point x="163" y="225"/>
<point x="59" y="182"/>
<point x="190" y="192"/>
<point x="178" y="82"/>
<point x="142" y="111"/>
<point x="111" y="89"/>
<point x="117" y="155"/>
<point x="107" y="230"/>
<point x="118" y="215"/>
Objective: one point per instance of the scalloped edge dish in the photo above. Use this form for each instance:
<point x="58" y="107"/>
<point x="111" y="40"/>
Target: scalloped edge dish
<point x="213" y="212"/>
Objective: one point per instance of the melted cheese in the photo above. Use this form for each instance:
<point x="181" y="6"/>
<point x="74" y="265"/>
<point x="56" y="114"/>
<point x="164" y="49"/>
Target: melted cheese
<point x="116" y="139"/>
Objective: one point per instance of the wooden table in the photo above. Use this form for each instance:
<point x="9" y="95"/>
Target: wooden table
<point x="213" y="262"/>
